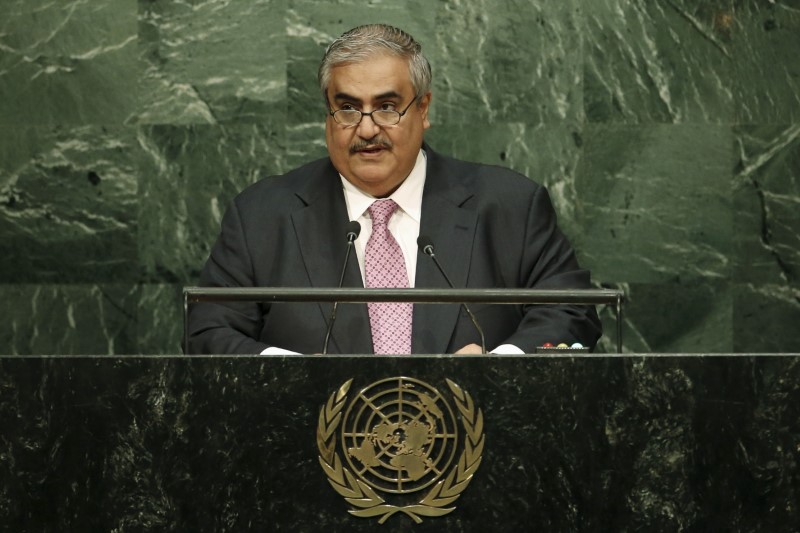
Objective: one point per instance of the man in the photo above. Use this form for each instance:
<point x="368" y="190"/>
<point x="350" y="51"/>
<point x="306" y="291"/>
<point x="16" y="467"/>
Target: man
<point x="492" y="228"/>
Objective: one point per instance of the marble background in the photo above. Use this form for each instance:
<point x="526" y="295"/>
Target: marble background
<point x="668" y="132"/>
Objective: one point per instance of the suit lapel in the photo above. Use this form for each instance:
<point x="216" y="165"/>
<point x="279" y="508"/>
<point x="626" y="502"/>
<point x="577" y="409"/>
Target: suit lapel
<point x="452" y="230"/>
<point x="320" y="231"/>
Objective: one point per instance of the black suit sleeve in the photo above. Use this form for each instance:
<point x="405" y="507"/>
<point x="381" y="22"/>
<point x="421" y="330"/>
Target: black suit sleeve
<point x="227" y="328"/>
<point x="548" y="262"/>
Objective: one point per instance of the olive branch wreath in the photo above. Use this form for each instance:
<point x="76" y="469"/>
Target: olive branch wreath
<point x="371" y="504"/>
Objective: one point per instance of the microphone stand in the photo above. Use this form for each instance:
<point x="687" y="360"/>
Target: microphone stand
<point x="426" y="245"/>
<point x="353" y="229"/>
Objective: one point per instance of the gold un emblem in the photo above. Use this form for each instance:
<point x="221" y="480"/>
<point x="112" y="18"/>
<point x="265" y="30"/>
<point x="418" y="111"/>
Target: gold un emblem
<point x="400" y="437"/>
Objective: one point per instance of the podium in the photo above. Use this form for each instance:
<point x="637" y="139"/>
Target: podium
<point x="230" y="443"/>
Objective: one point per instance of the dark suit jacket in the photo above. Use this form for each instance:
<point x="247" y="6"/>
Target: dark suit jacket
<point x="492" y="228"/>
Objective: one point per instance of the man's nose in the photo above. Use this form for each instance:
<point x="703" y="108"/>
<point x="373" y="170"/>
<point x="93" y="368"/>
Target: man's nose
<point x="367" y="129"/>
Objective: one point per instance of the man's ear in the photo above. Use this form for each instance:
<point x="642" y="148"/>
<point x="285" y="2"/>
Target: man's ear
<point x="424" y="106"/>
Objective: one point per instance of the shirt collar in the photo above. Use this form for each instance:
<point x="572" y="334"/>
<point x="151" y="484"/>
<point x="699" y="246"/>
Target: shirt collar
<point x="408" y="196"/>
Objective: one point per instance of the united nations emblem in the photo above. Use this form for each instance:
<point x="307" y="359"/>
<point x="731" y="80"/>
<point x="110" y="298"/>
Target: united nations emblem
<point x="400" y="437"/>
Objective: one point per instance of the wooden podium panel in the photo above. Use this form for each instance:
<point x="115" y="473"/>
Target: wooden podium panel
<point x="224" y="443"/>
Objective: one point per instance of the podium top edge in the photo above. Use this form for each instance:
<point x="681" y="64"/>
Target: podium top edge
<point x="416" y="295"/>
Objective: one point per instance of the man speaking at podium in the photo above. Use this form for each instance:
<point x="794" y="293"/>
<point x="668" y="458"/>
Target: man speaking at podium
<point x="490" y="227"/>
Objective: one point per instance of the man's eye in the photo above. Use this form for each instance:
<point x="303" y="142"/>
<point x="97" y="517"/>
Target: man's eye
<point x="347" y="107"/>
<point x="388" y="106"/>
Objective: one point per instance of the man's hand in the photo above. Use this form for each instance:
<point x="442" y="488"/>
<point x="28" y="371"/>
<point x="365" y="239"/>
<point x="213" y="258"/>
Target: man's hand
<point x="470" y="349"/>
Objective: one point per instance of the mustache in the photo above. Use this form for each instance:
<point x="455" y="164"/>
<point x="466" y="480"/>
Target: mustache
<point x="375" y="142"/>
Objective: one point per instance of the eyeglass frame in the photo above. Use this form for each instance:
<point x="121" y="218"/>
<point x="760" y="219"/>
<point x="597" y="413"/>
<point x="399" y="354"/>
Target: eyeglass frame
<point x="400" y="114"/>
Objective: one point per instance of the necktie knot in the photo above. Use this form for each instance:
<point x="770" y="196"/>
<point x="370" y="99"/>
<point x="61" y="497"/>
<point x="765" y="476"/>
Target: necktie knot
<point x="381" y="211"/>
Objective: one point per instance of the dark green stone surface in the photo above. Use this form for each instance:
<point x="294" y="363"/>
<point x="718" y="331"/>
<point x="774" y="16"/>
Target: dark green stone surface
<point x="667" y="132"/>
<point x="70" y="201"/>
<point x="68" y="63"/>
<point x="663" y="61"/>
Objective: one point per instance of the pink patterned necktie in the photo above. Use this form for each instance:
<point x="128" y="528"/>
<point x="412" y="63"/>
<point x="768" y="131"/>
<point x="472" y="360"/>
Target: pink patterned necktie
<point x="385" y="266"/>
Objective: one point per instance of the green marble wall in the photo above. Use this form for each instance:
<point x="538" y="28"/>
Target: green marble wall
<point x="668" y="132"/>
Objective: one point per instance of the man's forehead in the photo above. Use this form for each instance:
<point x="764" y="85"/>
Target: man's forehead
<point x="344" y="95"/>
<point x="373" y="78"/>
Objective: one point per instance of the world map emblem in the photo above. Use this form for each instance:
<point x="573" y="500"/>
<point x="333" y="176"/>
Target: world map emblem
<point x="405" y="449"/>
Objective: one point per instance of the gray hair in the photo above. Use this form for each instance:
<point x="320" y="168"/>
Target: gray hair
<point x="364" y="42"/>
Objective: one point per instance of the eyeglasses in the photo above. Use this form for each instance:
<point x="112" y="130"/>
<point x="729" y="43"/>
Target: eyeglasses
<point x="381" y="117"/>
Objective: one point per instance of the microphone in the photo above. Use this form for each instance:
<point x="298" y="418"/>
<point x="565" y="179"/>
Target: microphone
<point x="425" y="245"/>
<point x="353" y="229"/>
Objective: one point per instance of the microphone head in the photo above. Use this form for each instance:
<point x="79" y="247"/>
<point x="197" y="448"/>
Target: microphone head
<point x="353" y="229"/>
<point x="425" y="244"/>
